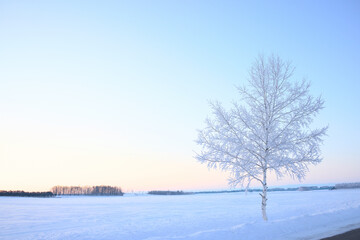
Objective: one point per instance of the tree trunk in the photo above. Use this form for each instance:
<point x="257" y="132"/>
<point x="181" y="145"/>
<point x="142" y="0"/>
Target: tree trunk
<point x="263" y="198"/>
<point x="263" y="203"/>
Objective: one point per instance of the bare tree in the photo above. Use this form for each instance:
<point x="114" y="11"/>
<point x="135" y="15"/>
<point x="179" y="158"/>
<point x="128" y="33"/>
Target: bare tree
<point x="269" y="132"/>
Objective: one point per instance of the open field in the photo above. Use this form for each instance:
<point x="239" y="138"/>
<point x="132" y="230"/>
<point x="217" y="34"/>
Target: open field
<point x="292" y="215"/>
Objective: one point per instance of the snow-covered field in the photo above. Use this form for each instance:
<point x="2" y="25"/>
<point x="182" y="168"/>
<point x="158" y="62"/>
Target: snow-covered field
<point x="292" y="215"/>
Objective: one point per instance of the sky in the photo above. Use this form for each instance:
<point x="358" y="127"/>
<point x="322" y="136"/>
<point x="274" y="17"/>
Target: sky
<point x="113" y="92"/>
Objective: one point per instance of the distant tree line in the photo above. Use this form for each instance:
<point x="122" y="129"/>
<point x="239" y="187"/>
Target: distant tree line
<point x="306" y="188"/>
<point x="87" y="190"/>
<point x="168" y="193"/>
<point x="26" y="194"/>
<point x="347" y="185"/>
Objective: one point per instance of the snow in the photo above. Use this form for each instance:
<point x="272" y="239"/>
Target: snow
<point x="292" y="215"/>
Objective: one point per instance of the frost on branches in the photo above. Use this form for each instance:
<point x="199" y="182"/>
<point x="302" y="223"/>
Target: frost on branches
<point x="268" y="132"/>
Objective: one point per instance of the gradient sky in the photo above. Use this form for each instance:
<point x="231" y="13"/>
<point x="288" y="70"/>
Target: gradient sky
<point x="112" y="92"/>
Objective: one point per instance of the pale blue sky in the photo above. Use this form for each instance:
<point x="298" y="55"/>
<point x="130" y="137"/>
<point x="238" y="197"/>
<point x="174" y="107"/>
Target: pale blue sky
<point x="112" y="92"/>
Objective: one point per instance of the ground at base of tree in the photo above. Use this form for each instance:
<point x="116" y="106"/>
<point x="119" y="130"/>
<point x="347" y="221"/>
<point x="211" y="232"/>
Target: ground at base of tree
<point x="228" y="216"/>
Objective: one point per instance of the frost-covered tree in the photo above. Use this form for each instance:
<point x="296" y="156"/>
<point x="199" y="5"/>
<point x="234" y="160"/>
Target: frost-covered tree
<point x="269" y="131"/>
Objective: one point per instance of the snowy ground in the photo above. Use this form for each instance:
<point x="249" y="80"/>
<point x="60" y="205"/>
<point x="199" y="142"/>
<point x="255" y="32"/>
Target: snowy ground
<point x="292" y="215"/>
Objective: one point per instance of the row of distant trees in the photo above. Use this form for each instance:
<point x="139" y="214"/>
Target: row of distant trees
<point x="167" y="193"/>
<point x="347" y="185"/>
<point x="25" y="194"/>
<point x="87" y="190"/>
